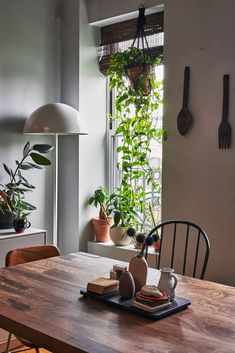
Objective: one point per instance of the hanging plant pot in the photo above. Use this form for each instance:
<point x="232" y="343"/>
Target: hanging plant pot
<point x="140" y="77"/>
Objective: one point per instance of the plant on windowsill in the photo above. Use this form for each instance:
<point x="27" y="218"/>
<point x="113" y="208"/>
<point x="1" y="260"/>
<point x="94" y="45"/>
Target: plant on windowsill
<point x="14" y="209"/>
<point x="124" y="216"/>
<point x="101" y="224"/>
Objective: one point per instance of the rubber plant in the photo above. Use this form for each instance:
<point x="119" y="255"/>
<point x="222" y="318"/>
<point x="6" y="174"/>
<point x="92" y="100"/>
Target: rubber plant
<point x="135" y="114"/>
<point x="12" y="194"/>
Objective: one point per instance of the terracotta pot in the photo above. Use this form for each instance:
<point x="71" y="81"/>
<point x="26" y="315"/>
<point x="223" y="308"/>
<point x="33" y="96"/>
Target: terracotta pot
<point x="119" y="237"/>
<point x="101" y="229"/>
<point x="136" y="81"/>
<point x="156" y="245"/>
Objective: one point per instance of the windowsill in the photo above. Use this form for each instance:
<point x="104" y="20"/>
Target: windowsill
<point x="122" y="253"/>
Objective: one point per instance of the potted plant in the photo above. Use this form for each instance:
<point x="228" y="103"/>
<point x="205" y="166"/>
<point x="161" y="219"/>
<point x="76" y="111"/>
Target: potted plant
<point x="137" y="65"/>
<point x="13" y="206"/>
<point x="124" y="216"/>
<point x="101" y="224"/>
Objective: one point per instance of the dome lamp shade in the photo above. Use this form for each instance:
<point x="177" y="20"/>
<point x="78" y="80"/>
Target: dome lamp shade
<point x="55" y="118"/>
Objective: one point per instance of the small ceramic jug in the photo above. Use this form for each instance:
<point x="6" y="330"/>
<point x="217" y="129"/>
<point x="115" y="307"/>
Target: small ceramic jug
<point x="20" y="224"/>
<point x="168" y="281"/>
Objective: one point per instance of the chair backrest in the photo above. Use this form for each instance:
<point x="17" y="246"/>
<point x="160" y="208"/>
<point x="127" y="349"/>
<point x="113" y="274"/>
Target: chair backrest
<point x="32" y="253"/>
<point x="184" y="246"/>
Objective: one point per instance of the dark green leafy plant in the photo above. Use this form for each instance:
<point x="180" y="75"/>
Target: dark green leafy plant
<point x="137" y="128"/>
<point x="101" y="199"/>
<point x="123" y="209"/>
<point x="12" y="194"/>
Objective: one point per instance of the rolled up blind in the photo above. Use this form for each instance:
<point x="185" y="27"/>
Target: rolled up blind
<point x="119" y="37"/>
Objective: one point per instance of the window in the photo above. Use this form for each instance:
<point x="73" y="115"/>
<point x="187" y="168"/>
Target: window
<point x="112" y="41"/>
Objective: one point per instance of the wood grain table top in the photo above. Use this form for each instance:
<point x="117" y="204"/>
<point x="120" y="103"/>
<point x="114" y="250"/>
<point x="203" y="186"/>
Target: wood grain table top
<point x="41" y="302"/>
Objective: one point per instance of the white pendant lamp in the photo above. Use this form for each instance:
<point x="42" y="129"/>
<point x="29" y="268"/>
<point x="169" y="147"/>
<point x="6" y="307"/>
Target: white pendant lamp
<point x="55" y="118"/>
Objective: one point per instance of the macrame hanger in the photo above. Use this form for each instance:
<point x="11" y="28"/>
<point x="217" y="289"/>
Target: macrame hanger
<point x="140" y="33"/>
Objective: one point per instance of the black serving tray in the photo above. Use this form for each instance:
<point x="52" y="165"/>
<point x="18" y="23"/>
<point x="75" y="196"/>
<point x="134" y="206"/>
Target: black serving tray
<point x="178" y="304"/>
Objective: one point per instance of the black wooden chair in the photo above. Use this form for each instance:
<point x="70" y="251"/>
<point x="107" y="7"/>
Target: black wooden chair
<point x="21" y="256"/>
<point x="184" y="246"/>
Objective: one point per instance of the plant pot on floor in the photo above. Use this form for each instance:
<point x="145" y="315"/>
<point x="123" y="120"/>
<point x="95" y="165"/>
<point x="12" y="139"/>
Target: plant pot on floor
<point x="119" y="237"/>
<point x="101" y="229"/>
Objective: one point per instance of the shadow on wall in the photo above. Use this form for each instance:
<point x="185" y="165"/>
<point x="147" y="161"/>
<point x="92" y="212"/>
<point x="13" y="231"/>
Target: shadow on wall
<point x="83" y="239"/>
<point x="13" y="124"/>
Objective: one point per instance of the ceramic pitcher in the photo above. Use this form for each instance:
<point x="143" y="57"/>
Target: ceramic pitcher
<point x="168" y="281"/>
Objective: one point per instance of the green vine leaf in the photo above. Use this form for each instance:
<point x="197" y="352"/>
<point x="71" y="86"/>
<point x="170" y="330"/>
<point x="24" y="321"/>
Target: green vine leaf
<point x="39" y="159"/>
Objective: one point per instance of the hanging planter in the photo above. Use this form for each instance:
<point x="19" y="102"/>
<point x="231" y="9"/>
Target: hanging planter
<point x="136" y="63"/>
<point x="140" y="77"/>
<point x="141" y="72"/>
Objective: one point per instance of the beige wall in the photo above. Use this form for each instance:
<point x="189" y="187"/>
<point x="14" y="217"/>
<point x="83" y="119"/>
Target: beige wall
<point x="198" y="178"/>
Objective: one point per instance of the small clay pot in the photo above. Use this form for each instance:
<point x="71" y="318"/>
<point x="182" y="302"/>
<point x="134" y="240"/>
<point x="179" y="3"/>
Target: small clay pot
<point x="156" y="245"/>
<point x="101" y="229"/>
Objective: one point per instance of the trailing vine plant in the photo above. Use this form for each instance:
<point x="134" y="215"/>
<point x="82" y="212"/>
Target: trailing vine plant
<point x="136" y="115"/>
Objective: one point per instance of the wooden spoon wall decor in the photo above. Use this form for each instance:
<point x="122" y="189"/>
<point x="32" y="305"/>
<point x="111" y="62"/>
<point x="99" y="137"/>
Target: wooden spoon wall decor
<point x="185" y="118"/>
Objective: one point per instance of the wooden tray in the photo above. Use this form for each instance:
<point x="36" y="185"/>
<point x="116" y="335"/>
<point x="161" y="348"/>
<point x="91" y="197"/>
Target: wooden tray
<point x="178" y="304"/>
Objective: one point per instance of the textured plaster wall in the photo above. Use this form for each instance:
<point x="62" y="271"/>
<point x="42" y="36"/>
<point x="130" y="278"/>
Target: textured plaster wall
<point x="198" y="178"/>
<point x="28" y="78"/>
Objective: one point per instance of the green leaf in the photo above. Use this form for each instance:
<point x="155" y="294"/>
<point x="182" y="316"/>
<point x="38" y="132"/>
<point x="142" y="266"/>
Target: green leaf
<point x="119" y="130"/>
<point x="26" y="149"/>
<point x="117" y="218"/>
<point x="39" y="159"/>
<point x="43" y="148"/>
<point x="27" y="185"/>
<point x="7" y="169"/>
<point x="26" y="206"/>
<point x="25" y="166"/>
<point x="33" y="165"/>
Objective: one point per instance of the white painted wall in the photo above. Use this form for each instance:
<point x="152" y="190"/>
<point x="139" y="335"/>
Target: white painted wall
<point x="105" y="11"/>
<point x="28" y="78"/>
<point x="92" y="107"/>
<point x="198" y="178"/>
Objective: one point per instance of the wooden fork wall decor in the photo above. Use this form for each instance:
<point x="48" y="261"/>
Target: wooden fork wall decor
<point x="225" y="131"/>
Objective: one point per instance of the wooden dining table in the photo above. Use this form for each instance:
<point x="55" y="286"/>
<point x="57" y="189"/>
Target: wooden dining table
<point x="41" y="302"/>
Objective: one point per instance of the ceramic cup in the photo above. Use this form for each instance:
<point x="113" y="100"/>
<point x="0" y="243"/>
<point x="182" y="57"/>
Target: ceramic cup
<point x="20" y="224"/>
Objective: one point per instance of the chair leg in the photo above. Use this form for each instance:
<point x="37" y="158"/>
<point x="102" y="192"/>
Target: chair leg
<point x="8" y="342"/>
<point x="37" y="350"/>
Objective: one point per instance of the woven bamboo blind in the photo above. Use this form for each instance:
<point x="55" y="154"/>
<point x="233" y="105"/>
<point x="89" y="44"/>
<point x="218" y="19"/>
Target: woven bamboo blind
<point x="119" y="37"/>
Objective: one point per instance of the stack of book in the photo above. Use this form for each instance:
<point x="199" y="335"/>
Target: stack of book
<point x="102" y="285"/>
<point x="150" y="302"/>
